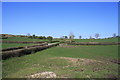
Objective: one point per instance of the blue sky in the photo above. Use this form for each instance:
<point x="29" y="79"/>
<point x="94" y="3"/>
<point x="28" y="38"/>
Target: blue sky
<point x="60" y="18"/>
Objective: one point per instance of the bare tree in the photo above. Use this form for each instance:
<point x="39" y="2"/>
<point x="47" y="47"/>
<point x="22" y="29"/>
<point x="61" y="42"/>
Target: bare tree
<point x="28" y="34"/>
<point x="80" y="37"/>
<point x="90" y="37"/>
<point x="71" y="36"/>
<point x="114" y="35"/>
<point x="64" y="37"/>
<point x="97" y="35"/>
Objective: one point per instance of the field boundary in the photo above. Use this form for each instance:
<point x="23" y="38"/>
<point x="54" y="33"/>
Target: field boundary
<point x="94" y="43"/>
<point x="14" y="48"/>
<point x="25" y="51"/>
<point x="26" y="42"/>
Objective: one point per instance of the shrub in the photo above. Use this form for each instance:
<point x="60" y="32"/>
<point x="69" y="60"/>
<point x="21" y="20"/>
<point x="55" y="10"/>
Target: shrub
<point x="50" y="38"/>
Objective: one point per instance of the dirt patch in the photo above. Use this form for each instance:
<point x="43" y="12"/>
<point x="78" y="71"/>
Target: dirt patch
<point x="108" y="60"/>
<point x="67" y="46"/>
<point x="69" y="59"/>
<point x="117" y="61"/>
<point x="43" y="75"/>
<point x="79" y="60"/>
<point x="114" y="77"/>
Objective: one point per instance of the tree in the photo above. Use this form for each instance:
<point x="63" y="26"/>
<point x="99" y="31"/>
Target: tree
<point x="30" y="37"/>
<point x="33" y="36"/>
<point x="40" y="37"/>
<point x="65" y="37"/>
<point x="90" y="37"/>
<point x="97" y="35"/>
<point x="44" y="37"/>
<point x="114" y="35"/>
<point x="71" y="36"/>
<point x="80" y="37"/>
<point x="28" y="34"/>
<point x="50" y="38"/>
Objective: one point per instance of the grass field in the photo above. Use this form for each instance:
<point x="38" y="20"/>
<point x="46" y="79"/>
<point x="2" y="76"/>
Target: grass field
<point x="22" y="39"/>
<point x="76" y="40"/>
<point x="66" y="61"/>
<point x="97" y="40"/>
<point x="8" y="45"/>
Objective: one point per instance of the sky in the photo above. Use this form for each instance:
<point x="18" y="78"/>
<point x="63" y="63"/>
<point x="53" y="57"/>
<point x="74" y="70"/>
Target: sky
<point x="60" y="18"/>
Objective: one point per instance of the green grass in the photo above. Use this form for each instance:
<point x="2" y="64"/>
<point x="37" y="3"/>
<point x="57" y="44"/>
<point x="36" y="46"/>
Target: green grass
<point x="22" y="39"/>
<point x="8" y="45"/>
<point x="49" y="60"/>
<point x="76" y="40"/>
<point x="97" y="40"/>
<point x="85" y="51"/>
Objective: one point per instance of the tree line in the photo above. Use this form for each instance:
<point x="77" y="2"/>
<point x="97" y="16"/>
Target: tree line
<point x="97" y="35"/>
<point x="39" y="37"/>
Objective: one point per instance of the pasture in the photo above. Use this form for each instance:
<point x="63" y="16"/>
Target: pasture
<point x="23" y="39"/>
<point x="45" y="40"/>
<point x="66" y="61"/>
<point x="9" y="45"/>
<point x="60" y="39"/>
<point x="97" y="40"/>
